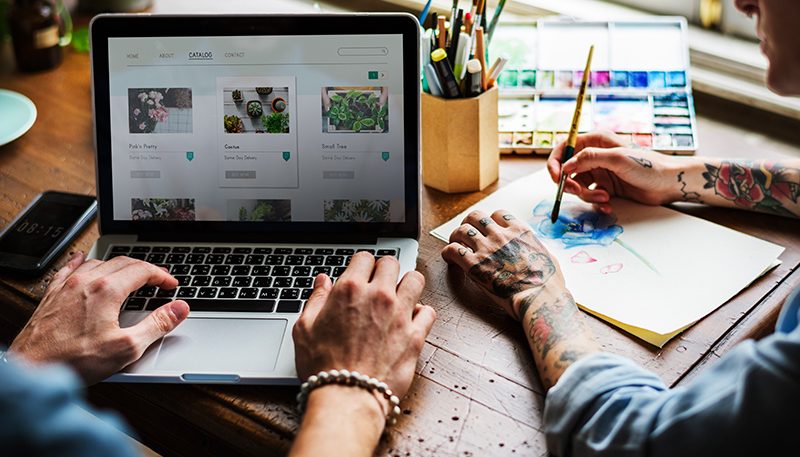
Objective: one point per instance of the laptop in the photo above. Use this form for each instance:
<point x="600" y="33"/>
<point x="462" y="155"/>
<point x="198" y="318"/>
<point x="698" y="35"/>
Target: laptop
<point x="247" y="154"/>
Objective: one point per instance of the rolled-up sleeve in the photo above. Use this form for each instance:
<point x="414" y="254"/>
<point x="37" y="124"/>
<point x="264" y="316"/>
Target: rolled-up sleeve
<point x="43" y="413"/>
<point x="748" y="403"/>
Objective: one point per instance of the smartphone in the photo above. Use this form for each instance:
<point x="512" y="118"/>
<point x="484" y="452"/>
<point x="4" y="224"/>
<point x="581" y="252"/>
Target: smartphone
<point x="43" y="230"/>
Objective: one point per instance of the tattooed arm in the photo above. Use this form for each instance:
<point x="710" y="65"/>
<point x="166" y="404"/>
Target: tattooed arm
<point x="502" y="255"/>
<point x="759" y="186"/>
<point x="604" y="167"/>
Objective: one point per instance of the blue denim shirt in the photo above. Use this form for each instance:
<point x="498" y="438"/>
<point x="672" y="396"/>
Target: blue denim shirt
<point x="745" y="404"/>
<point x="42" y="413"/>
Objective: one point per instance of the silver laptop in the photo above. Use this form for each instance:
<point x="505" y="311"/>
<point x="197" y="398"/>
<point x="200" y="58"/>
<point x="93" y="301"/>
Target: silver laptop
<point x="247" y="154"/>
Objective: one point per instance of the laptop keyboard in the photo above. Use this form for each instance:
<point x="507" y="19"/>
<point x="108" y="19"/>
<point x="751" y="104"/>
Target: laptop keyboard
<point x="238" y="279"/>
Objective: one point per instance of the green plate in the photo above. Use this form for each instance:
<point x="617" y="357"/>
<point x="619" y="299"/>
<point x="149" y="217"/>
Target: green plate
<point x="17" y="112"/>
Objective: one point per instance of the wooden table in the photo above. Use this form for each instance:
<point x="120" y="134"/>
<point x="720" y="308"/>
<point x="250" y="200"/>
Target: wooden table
<point x="476" y="390"/>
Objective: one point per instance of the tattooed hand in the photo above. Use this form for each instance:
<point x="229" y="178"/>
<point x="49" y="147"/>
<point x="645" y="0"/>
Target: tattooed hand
<point x="616" y="170"/>
<point x="503" y="256"/>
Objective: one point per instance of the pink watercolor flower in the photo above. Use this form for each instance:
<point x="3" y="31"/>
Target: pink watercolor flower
<point x="582" y="257"/>
<point x="613" y="268"/>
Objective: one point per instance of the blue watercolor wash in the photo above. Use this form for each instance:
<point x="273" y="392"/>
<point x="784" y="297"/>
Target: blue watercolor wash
<point x="577" y="225"/>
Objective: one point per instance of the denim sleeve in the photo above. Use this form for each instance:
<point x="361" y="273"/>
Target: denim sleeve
<point x="42" y="413"/>
<point x="745" y="404"/>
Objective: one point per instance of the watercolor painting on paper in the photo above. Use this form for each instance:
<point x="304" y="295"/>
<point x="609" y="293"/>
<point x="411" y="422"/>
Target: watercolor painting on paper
<point x="578" y="224"/>
<point x="649" y="270"/>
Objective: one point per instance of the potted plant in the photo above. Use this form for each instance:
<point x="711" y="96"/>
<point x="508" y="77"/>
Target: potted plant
<point x="233" y="124"/>
<point x="357" y="111"/>
<point x="278" y="104"/>
<point x="276" y="122"/>
<point x="254" y="108"/>
<point x="237" y="96"/>
<point x="263" y="91"/>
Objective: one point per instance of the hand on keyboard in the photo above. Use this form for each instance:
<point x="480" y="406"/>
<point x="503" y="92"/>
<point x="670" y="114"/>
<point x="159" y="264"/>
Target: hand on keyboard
<point x="77" y="321"/>
<point x="366" y="322"/>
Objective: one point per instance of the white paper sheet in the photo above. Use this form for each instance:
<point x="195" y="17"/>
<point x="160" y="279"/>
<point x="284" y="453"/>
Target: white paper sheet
<point x="664" y="271"/>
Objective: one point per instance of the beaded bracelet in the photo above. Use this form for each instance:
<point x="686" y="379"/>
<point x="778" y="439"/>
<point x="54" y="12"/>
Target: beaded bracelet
<point x="349" y="378"/>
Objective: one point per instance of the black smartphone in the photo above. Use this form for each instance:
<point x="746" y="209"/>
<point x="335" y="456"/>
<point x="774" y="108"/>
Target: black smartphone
<point x="43" y="230"/>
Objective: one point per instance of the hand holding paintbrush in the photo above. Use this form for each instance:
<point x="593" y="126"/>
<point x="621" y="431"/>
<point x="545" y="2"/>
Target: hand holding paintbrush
<point x="569" y="149"/>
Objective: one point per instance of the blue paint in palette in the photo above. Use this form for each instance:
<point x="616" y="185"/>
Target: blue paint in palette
<point x="638" y="78"/>
<point x="657" y="79"/>
<point x="619" y="79"/>
<point x="676" y="79"/>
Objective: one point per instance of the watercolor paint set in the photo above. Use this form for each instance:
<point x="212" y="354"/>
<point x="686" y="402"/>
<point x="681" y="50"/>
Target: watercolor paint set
<point x="639" y="84"/>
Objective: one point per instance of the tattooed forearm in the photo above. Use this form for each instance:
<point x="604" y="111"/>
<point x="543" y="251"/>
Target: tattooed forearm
<point x="687" y="196"/>
<point x="646" y="163"/>
<point x="759" y="186"/>
<point x="517" y="266"/>
<point x="551" y="323"/>
<point x="557" y="334"/>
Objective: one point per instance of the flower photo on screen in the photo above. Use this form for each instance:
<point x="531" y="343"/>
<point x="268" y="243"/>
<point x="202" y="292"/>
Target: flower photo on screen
<point x="160" y="110"/>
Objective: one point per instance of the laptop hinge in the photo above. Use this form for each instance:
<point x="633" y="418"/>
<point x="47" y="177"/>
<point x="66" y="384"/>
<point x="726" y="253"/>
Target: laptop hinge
<point x="294" y="238"/>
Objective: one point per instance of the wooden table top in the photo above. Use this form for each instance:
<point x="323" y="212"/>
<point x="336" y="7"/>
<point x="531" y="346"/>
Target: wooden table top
<point x="476" y="391"/>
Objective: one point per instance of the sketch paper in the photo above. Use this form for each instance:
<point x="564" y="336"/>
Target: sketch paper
<point x="650" y="270"/>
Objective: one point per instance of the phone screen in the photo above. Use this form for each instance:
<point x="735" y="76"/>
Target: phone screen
<point x="44" y="225"/>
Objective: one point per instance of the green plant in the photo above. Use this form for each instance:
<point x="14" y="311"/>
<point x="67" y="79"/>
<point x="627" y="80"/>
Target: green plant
<point x="263" y="90"/>
<point x="268" y="211"/>
<point x="233" y="124"/>
<point x="254" y="108"/>
<point x="237" y="96"/>
<point x="276" y="122"/>
<point x="357" y="111"/>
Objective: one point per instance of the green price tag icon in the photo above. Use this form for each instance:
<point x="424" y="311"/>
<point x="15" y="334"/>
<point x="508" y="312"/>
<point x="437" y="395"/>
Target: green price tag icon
<point x="189" y="155"/>
<point x="385" y="156"/>
<point x="287" y="155"/>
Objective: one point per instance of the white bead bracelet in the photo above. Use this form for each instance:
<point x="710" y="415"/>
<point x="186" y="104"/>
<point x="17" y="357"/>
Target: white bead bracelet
<point x="349" y="378"/>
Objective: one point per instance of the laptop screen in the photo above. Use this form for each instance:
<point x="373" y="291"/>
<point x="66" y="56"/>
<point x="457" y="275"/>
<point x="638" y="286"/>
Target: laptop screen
<point x="277" y="129"/>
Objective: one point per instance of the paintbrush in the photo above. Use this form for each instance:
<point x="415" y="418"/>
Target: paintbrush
<point x="495" y="18"/>
<point x="569" y="149"/>
<point x="424" y="14"/>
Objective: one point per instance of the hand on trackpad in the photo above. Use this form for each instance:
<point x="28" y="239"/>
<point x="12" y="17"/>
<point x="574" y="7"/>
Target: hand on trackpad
<point x="233" y="346"/>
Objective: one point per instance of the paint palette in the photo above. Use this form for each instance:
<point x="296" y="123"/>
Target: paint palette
<point x="639" y="85"/>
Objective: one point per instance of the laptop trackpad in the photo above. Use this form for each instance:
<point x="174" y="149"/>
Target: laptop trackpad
<point x="232" y="346"/>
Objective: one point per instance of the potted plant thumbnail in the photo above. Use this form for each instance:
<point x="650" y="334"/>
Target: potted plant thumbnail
<point x="276" y="122"/>
<point x="233" y="124"/>
<point x="254" y="108"/>
<point x="237" y="96"/>
<point x="278" y="104"/>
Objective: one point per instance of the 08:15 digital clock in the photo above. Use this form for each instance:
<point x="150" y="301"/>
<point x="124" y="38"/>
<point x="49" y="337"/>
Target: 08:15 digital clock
<point x="43" y="230"/>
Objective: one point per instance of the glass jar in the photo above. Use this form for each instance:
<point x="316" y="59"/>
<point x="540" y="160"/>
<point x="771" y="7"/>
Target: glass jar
<point x="34" y="27"/>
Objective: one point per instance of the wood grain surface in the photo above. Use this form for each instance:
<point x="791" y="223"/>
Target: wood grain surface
<point x="476" y="391"/>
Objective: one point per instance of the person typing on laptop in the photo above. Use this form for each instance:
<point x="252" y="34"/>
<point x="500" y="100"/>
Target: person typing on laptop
<point x="366" y="322"/>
